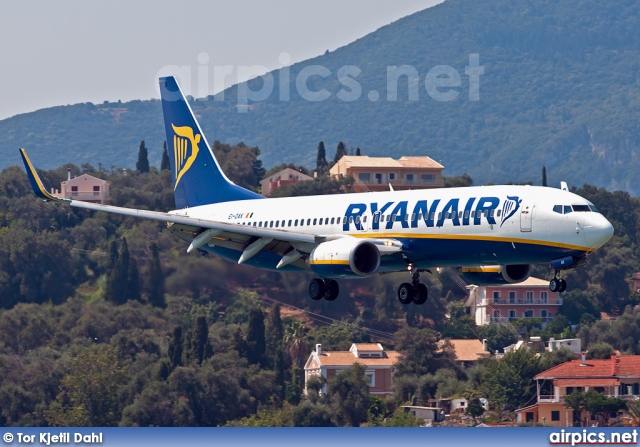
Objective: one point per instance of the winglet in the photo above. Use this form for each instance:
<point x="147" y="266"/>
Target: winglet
<point x="36" y="183"/>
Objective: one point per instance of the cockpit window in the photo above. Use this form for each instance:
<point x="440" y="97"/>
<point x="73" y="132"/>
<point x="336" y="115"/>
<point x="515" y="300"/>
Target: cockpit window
<point x="581" y="208"/>
<point x="567" y="209"/>
<point x="557" y="209"/>
<point x="593" y="208"/>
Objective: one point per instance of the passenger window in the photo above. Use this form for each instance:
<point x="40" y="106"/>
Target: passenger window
<point x="376" y="218"/>
<point x="271" y="224"/>
<point x="332" y="220"/>
<point x="315" y="221"/>
<point x="466" y="214"/>
<point x="440" y="215"/>
<point x="357" y="219"/>
<point x="473" y="214"/>
<point x="277" y="222"/>
<point x="350" y="219"/>
<point x="557" y="209"/>
<point x="492" y="213"/>
<point x="254" y="224"/>
<point x="282" y="224"/>
<point x="498" y="213"/>
<point x="393" y="218"/>
<point x="289" y="223"/>
<point x="567" y="209"/>
<point x="420" y="216"/>
<point x="308" y="221"/>
<point x="433" y="215"/>
<point x="295" y="223"/>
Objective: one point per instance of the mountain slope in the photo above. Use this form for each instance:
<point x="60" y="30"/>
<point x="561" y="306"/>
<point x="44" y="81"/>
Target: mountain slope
<point x="560" y="88"/>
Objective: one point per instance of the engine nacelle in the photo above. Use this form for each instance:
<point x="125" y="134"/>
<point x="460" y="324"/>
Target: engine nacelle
<point x="345" y="257"/>
<point x="496" y="274"/>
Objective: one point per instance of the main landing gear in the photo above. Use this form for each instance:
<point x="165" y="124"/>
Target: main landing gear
<point x="557" y="284"/>
<point x="415" y="292"/>
<point x="324" y="288"/>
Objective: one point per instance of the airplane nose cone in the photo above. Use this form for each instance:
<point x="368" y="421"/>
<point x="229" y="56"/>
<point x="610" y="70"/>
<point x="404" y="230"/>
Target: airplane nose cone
<point x="598" y="230"/>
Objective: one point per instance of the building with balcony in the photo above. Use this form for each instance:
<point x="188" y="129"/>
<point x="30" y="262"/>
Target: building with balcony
<point x="377" y="361"/>
<point x="285" y="177"/>
<point x="377" y="173"/>
<point x="500" y="304"/>
<point x="618" y="377"/>
<point x="83" y="187"/>
<point x="636" y="282"/>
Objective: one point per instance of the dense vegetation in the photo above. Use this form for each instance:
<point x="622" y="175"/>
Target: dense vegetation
<point x="560" y="88"/>
<point x="104" y="320"/>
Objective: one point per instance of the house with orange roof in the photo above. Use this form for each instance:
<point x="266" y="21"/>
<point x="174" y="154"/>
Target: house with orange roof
<point x="377" y="173"/>
<point x="467" y="352"/>
<point x="377" y="361"/>
<point x="618" y="377"/>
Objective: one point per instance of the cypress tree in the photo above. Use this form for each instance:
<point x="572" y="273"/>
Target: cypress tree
<point x="256" y="345"/>
<point x="544" y="176"/>
<point x="274" y="330"/>
<point x="164" y="164"/>
<point x="133" y="288"/>
<point x="118" y="276"/>
<point x="175" y="347"/>
<point x="279" y="369"/>
<point x="358" y="151"/>
<point x="321" y="159"/>
<point x="341" y="151"/>
<point x="200" y="344"/>
<point x="155" y="280"/>
<point x="143" y="158"/>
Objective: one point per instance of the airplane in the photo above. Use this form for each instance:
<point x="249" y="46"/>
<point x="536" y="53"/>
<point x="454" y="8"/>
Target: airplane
<point x="486" y="234"/>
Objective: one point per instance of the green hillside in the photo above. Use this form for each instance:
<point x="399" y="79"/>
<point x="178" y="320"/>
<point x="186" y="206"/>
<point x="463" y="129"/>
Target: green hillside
<point x="561" y="88"/>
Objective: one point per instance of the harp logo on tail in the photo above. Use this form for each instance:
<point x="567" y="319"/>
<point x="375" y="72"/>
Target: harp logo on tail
<point x="509" y="208"/>
<point x="185" y="150"/>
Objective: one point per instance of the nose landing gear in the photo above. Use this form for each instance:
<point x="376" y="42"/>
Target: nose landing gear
<point x="415" y="292"/>
<point x="557" y="284"/>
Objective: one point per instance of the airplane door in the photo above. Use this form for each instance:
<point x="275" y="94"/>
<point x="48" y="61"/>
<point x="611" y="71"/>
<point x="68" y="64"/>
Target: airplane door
<point x="375" y="224"/>
<point x="526" y="217"/>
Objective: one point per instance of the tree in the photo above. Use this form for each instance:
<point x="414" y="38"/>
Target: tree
<point x="509" y="383"/>
<point x="155" y="279"/>
<point x="279" y="369"/>
<point x="256" y="345"/>
<point x="341" y="151"/>
<point x="475" y="408"/>
<point x="358" y="151"/>
<point x="88" y="394"/>
<point x="309" y="414"/>
<point x="120" y="276"/>
<point x="601" y="350"/>
<point x="295" y="342"/>
<point x="544" y="176"/>
<point x="142" y="164"/>
<point x="349" y="396"/>
<point x="419" y="351"/>
<point x="164" y="164"/>
<point x="321" y="159"/>
<point x="201" y="348"/>
<point x="274" y="330"/>
<point x="175" y="347"/>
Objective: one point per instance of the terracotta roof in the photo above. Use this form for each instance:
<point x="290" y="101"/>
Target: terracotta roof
<point x="467" y="350"/>
<point x="369" y="347"/>
<point x="345" y="358"/>
<point x="419" y="162"/>
<point x="626" y="365"/>
<point x="529" y="282"/>
<point x="366" y="161"/>
<point x="586" y="382"/>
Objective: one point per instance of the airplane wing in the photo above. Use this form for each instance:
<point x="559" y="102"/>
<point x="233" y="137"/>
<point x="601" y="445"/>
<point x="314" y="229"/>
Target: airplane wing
<point x="249" y="240"/>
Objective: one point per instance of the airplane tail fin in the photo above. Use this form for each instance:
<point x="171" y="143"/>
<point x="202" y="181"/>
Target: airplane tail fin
<point x="197" y="176"/>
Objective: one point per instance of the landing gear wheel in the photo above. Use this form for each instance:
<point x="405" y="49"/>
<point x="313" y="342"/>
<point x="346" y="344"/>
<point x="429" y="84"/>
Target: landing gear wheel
<point x="331" y="289"/>
<point x="554" y="285"/>
<point x="316" y="289"/>
<point x="405" y="293"/>
<point x="562" y="286"/>
<point x="421" y="294"/>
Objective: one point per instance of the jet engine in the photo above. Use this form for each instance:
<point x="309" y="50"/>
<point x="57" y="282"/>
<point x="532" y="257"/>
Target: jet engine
<point x="496" y="274"/>
<point x="344" y="258"/>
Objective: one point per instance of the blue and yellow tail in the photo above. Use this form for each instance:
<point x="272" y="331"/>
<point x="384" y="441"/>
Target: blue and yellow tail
<point x="197" y="177"/>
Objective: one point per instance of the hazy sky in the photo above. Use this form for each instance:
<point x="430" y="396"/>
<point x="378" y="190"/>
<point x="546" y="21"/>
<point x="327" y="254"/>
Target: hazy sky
<point x="56" y="53"/>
